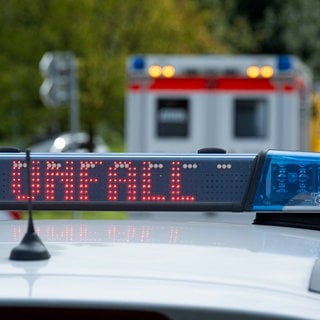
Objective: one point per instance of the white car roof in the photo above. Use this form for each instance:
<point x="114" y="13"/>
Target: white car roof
<point x="213" y="263"/>
<point x="181" y="265"/>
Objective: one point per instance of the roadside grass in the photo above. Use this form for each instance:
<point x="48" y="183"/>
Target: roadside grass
<point x="68" y="215"/>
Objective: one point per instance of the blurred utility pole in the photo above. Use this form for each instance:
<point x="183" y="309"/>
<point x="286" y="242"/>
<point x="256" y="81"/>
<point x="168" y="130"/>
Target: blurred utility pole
<point x="60" y="84"/>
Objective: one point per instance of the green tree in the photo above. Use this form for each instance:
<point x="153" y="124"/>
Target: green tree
<point x="292" y="27"/>
<point x="101" y="33"/>
<point x="284" y="27"/>
<point x="227" y="25"/>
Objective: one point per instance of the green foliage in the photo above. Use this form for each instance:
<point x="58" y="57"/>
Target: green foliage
<point x="285" y="26"/>
<point x="228" y="26"/>
<point x="67" y="215"/>
<point x="102" y="33"/>
<point x="294" y="28"/>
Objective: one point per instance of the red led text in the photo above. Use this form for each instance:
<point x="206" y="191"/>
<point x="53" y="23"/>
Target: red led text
<point x="96" y="180"/>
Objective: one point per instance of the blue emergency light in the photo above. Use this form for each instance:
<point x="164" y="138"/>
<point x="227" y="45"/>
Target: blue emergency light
<point x="284" y="63"/>
<point x="286" y="181"/>
<point x="137" y="63"/>
<point x="269" y="181"/>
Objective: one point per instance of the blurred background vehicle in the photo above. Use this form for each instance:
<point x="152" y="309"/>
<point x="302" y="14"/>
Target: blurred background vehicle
<point x="243" y="103"/>
<point x="79" y="142"/>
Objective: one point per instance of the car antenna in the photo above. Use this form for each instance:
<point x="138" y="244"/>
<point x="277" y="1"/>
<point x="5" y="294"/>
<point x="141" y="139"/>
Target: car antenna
<point x="30" y="247"/>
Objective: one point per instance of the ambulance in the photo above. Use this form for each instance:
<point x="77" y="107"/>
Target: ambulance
<point x="239" y="103"/>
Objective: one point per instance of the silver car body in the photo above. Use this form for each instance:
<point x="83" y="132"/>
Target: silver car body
<point x="66" y="142"/>
<point x="202" y="266"/>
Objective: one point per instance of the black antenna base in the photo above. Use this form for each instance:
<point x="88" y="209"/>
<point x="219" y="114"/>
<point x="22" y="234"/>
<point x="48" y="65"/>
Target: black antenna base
<point x="30" y="248"/>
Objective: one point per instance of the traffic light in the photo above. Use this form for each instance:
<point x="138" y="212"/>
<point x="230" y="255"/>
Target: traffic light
<point x="58" y="69"/>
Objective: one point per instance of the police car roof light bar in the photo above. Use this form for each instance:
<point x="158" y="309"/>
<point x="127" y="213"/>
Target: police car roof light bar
<point x="272" y="181"/>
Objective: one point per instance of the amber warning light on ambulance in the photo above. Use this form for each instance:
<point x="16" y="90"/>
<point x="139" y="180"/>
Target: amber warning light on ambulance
<point x="260" y="72"/>
<point x="156" y="71"/>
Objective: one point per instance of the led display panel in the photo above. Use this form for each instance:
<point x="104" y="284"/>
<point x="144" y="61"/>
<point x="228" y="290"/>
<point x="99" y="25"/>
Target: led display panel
<point x="124" y="181"/>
